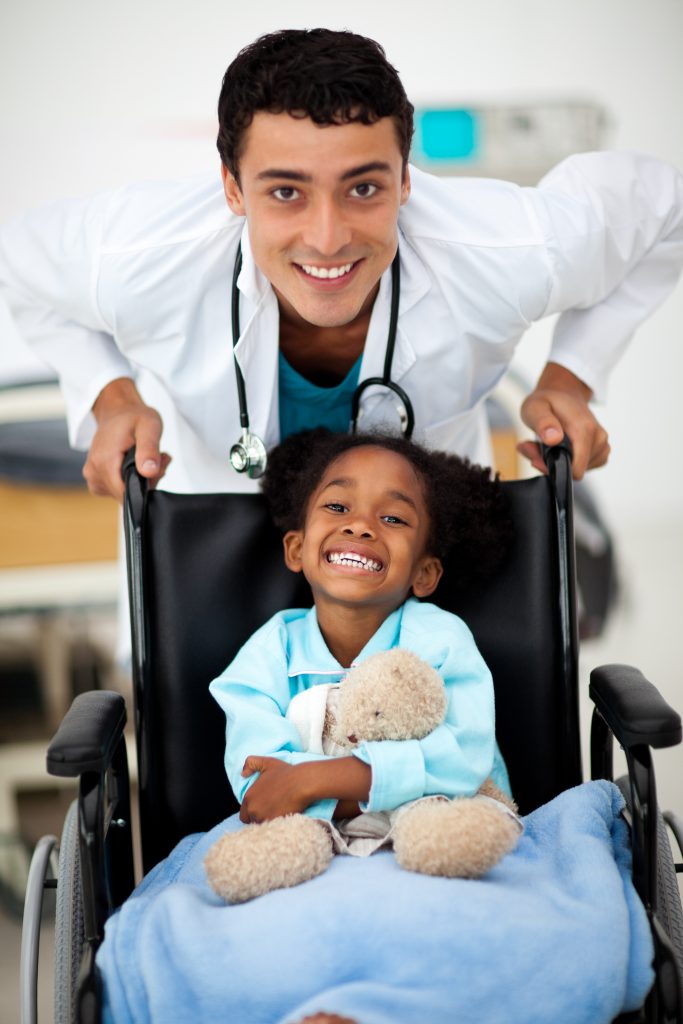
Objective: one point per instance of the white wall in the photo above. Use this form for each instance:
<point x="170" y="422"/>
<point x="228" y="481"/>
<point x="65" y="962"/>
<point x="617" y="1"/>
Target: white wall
<point x="94" y="94"/>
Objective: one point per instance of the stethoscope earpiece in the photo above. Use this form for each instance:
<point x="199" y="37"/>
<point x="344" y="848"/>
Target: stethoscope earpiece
<point x="249" y="455"/>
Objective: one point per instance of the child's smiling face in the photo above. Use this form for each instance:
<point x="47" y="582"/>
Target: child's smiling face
<point x="365" y="534"/>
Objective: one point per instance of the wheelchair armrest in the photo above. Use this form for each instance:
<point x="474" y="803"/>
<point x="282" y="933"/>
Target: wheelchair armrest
<point x="88" y="735"/>
<point x="90" y="744"/>
<point x="633" y="708"/>
<point x="629" y="708"/>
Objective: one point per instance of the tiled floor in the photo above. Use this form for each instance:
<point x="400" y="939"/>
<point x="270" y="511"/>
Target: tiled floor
<point x="645" y="632"/>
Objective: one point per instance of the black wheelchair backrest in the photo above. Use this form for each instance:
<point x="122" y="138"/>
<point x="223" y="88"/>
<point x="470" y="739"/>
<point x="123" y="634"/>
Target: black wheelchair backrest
<point x="206" y="570"/>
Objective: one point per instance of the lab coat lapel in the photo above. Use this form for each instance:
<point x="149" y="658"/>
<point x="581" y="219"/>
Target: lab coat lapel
<point x="414" y="285"/>
<point x="257" y="348"/>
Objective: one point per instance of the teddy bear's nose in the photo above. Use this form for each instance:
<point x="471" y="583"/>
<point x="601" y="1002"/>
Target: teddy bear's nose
<point x="352" y="738"/>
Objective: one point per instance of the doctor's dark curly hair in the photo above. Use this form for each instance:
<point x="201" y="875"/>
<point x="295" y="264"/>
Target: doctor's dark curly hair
<point x="331" y="77"/>
<point x="470" y="525"/>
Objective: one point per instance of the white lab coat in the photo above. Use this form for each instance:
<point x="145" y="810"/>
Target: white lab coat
<point x="137" y="283"/>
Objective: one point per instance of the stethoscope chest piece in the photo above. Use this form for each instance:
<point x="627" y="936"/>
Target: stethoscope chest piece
<point x="248" y="455"/>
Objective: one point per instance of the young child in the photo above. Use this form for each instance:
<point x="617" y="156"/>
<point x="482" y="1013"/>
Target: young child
<point x="368" y="519"/>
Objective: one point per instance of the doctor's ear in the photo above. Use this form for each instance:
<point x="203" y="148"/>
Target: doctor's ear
<point x="233" y="192"/>
<point x="405" y="186"/>
<point x="427" y="576"/>
<point x="293" y="542"/>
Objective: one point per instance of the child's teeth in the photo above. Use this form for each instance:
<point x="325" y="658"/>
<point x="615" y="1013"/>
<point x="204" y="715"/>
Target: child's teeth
<point x="344" y="558"/>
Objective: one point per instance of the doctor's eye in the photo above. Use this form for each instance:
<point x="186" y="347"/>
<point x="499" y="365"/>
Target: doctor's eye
<point x="285" y="194"/>
<point x="364" y="190"/>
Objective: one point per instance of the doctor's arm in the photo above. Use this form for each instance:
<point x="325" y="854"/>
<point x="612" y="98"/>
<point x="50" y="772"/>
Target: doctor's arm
<point x="559" y="405"/>
<point x="123" y="420"/>
<point x="613" y="225"/>
<point x="49" y="269"/>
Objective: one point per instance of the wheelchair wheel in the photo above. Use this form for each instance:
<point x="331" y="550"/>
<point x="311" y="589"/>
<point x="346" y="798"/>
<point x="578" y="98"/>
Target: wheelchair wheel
<point x="669" y="908"/>
<point x="668" y="894"/>
<point x="69" y="931"/>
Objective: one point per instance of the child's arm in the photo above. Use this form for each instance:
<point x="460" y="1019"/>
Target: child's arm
<point x="283" y="788"/>
<point x="456" y="758"/>
<point x="254" y="692"/>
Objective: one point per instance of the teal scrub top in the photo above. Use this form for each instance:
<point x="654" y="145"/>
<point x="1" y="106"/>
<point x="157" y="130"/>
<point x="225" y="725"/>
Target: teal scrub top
<point x="304" y="406"/>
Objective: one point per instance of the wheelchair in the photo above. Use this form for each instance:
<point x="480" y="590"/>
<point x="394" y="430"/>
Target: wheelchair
<point x="204" y="572"/>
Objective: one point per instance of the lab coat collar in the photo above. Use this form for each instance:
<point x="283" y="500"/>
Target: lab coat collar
<point x="257" y="348"/>
<point x="310" y="655"/>
<point x="415" y="285"/>
<point x="251" y="282"/>
<point x="415" y="281"/>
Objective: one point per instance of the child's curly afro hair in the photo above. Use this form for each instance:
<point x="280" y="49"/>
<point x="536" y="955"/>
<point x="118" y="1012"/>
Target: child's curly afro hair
<point x="470" y="525"/>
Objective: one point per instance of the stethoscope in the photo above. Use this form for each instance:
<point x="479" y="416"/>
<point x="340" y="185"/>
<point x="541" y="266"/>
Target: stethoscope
<point x="249" y="455"/>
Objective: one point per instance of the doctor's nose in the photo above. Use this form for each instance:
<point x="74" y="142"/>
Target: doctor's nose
<point x="326" y="231"/>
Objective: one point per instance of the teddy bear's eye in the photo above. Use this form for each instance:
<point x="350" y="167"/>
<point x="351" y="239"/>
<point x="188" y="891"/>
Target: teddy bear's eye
<point x="378" y="714"/>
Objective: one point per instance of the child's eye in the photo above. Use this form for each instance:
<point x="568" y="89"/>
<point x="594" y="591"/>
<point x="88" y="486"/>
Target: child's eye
<point x="335" y="506"/>
<point x="394" y="520"/>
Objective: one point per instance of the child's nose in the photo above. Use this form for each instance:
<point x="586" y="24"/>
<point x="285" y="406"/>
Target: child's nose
<point x="359" y="528"/>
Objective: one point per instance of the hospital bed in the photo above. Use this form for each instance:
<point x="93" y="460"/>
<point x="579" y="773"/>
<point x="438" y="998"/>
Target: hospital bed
<point x="204" y="572"/>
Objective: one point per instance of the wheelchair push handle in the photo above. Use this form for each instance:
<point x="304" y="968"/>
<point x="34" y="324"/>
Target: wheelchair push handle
<point x="552" y="455"/>
<point x="136" y="486"/>
<point x="562" y="450"/>
<point x="128" y="464"/>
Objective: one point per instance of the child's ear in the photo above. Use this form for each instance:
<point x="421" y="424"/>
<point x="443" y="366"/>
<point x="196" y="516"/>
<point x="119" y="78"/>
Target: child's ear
<point x="427" y="576"/>
<point x="292" y="543"/>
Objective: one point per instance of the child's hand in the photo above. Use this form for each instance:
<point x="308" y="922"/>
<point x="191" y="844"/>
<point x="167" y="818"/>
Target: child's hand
<point x="290" y="788"/>
<point x="277" y="791"/>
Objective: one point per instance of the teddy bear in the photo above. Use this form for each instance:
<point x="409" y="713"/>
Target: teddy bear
<point x="392" y="695"/>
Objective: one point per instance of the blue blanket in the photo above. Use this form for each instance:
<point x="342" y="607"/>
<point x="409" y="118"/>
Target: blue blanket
<point x="554" y="933"/>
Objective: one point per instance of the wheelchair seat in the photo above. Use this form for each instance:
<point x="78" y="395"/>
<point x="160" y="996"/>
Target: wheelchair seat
<point x="226" y="577"/>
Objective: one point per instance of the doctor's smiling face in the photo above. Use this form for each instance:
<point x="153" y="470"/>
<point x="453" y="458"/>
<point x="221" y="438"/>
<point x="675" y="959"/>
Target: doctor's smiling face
<point x="322" y="204"/>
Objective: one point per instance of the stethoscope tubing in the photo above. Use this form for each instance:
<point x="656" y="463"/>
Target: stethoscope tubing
<point x="235" y="318"/>
<point x="385" y="380"/>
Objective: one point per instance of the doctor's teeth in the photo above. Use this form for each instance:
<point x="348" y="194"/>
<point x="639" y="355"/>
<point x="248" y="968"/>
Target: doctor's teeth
<point x="325" y="272"/>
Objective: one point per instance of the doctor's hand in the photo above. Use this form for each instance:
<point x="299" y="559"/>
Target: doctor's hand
<point x="559" y="405"/>
<point x="123" y="420"/>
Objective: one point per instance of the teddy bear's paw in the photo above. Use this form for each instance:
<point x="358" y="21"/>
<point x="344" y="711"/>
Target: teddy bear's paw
<point x="274" y="855"/>
<point x="489" y="788"/>
<point x="462" y="838"/>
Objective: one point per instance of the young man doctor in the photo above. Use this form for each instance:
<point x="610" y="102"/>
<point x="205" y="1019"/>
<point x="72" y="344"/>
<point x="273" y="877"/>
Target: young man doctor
<point x="314" y="136"/>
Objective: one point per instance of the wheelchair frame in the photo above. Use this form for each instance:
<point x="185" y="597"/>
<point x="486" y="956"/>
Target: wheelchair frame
<point x="90" y="746"/>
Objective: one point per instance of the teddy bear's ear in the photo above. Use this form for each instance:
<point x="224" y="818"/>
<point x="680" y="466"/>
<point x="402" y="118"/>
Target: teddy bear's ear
<point x="427" y="576"/>
<point x="292" y="543"/>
